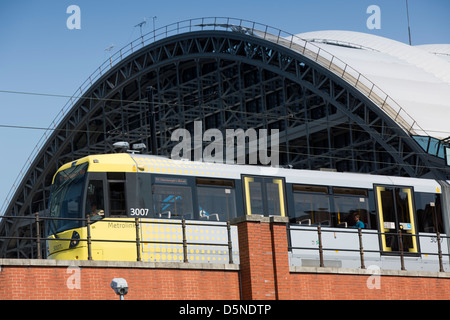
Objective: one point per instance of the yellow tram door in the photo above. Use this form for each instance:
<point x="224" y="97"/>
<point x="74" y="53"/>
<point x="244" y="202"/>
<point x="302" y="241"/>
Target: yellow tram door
<point x="264" y="196"/>
<point x="396" y="216"/>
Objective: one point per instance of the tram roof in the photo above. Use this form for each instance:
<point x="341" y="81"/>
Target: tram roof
<point x="123" y="162"/>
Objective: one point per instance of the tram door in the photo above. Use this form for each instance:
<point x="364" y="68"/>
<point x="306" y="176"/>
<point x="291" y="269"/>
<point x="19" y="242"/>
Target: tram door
<point x="396" y="216"/>
<point x="264" y="196"/>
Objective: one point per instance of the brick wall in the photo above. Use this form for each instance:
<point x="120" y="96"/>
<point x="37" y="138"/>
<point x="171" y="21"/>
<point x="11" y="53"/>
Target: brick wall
<point x="91" y="281"/>
<point x="264" y="273"/>
<point x="320" y="286"/>
<point x="263" y="258"/>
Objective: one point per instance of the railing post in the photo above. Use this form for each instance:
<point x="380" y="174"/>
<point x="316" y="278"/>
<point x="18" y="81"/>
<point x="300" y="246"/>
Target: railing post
<point x="138" y="241"/>
<point x="317" y="55"/>
<point x="438" y="239"/>
<point x="357" y="80"/>
<point x="343" y="71"/>
<point x="319" y="235"/>
<point x="183" y="227"/>
<point x="38" y="236"/>
<point x="361" y="249"/>
<point x="371" y="89"/>
<point x="331" y="62"/>
<point x="88" y="227"/>
<point x="230" y="245"/>
<point x="402" y="258"/>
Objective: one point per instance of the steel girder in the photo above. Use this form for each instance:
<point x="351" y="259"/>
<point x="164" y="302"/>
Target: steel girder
<point x="226" y="80"/>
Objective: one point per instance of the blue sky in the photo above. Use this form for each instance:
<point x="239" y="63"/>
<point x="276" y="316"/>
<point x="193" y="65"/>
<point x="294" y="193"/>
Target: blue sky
<point x="40" y="54"/>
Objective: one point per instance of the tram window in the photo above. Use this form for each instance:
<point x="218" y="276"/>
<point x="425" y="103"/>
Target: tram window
<point x="349" y="202"/>
<point x="387" y="204"/>
<point x="215" y="182"/>
<point x="429" y="214"/>
<point x="350" y="191"/>
<point x="116" y="176"/>
<point x="256" y="198"/>
<point x="273" y="197"/>
<point x="401" y="200"/>
<point x="117" y="203"/>
<point x="347" y="207"/>
<point x="145" y="192"/>
<point x="305" y="188"/>
<point x="66" y="197"/>
<point x="312" y="209"/>
<point x="311" y="205"/>
<point x="216" y="199"/>
<point x="172" y="201"/>
<point x="95" y="204"/>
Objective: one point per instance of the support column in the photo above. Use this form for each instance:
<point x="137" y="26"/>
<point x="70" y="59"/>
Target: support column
<point x="264" y="263"/>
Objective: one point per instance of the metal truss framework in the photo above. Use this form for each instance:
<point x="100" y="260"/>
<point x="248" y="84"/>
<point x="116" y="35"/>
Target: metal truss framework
<point x="227" y="80"/>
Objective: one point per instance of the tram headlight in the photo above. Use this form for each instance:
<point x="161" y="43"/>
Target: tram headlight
<point x="75" y="240"/>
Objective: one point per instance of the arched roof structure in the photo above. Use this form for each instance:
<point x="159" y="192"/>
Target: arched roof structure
<point x="440" y="50"/>
<point x="329" y="108"/>
<point x="417" y="78"/>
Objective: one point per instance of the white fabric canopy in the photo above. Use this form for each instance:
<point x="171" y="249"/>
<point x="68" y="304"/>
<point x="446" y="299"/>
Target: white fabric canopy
<point x="416" y="78"/>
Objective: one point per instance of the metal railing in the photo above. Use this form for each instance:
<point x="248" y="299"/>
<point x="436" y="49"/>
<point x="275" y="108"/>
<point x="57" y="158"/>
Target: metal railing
<point x="278" y="36"/>
<point x="39" y="228"/>
<point x="400" y="236"/>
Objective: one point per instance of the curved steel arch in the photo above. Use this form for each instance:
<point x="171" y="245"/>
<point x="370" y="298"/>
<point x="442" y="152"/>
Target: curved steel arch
<point x="226" y="80"/>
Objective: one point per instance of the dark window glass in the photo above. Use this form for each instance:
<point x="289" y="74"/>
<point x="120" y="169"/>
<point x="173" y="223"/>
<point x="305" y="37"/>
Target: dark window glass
<point x="216" y="199"/>
<point x="256" y="202"/>
<point x="429" y="214"/>
<point x="313" y="205"/>
<point x="273" y="198"/>
<point x="348" y="207"/>
<point x="173" y="201"/>
<point x="305" y="188"/>
<point x="117" y="203"/>
<point x="311" y="209"/>
<point x="67" y="197"/>
<point x="95" y="206"/>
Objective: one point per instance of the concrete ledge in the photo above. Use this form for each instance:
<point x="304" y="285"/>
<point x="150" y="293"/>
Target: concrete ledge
<point x="259" y="218"/>
<point x="370" y="272"/>
<point x="117" y="264"/>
